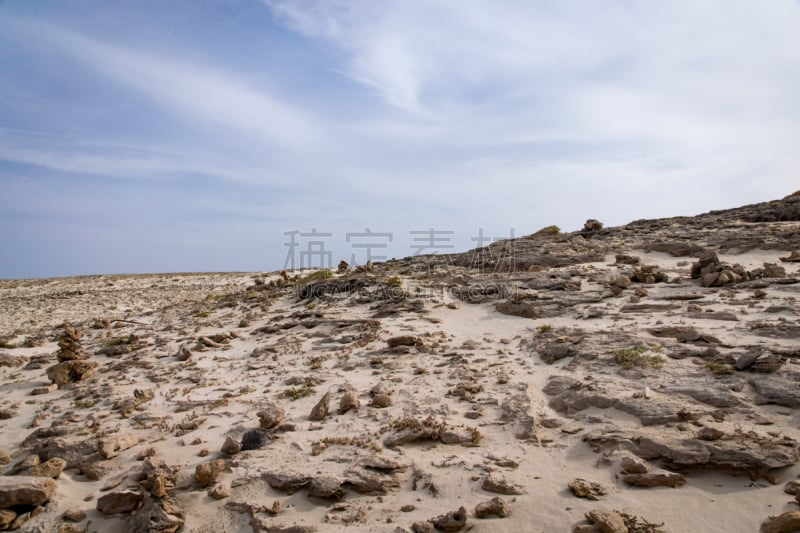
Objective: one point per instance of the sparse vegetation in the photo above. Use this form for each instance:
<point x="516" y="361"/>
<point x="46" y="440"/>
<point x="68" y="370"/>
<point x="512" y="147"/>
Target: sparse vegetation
<point x="544" y="328"/>
<point x="319" y="275"/>
<point x="86" y="403"/>
<point x="549" y="230"/>
<point x="6" y="344"/>
<point x="359" y="442"/>
<point x="295" y="393"/>
<point x="394" y="281"/>
<point x="719" y="369"/>
<point x="636" y="524"/>
<point x="637" y="357"/>
<point x="203" y="314"/>
<point x="315" y="363"/>
<point x="764" y="325"/>
<point x="428" y="427"/>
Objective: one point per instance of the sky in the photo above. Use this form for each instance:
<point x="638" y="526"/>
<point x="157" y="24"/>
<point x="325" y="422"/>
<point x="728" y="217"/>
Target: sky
<point x="209" y="135"/>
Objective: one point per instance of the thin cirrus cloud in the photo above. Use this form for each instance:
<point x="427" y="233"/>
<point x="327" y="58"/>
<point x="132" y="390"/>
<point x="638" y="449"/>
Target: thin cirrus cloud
<point x="198" y="92"/>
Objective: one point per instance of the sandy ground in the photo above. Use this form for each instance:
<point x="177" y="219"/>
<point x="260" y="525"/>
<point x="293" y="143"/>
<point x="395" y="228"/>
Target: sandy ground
<point x="460" y="342"/>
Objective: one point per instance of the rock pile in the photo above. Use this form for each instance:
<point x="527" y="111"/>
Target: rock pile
<point x="72" y="365"/>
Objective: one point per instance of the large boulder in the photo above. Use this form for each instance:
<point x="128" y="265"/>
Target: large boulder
<point x="68" y="372"/>
<point x="25" y="490"/>
<point x="125" y="501"/>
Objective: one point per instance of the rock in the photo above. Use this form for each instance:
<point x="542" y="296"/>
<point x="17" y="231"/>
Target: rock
<point x="623" y="259"/>
<point x="381" y="464"/>
<point x="320" y="411"/>
<point x="70" y="528"/>
<point x="11" y="360"/>
<point x="74" y="515"/>
<point x="649" y="274"/>
<point x="288" y="482"/>
<point x="404" y="340"/>
<point x="651" y="477"/>
<point x="255" y="439"/>
<point x="206" y="473"/>
<point x="125" y="501"/>
<point x="220" y="492"/>
<point x="709" y="433"/>
<point x="495" y="507"/>
<point x="109" y="447"/>
<point x="677" y="248"/>
<point x="592" y="226"/>
<point x="157" y="516"/>
<point x="576" y="396"/>
<point x="707" y="262"/>
<point x="555" y="351"/>
<point x="231" y="446"/>
<point x="500" y="486"/>
<point x="7" y="518"/>
<point x="621" y="282"/>
<point x="21" y="518"/>
<point x="452" y="521"/>
<point x="270" y="415"/>
<point x="788" y="522"/>
<point x="51" y="468"/>
<point x="776" y="391"/>
<point x="607" y="521"/>
<point x="4" y="458"/>
<point x="708" y="395"/>
<point x="36" y="391"/>
<point x="183" y="354"/>
<point x="367" y="482"/>
<point x="769" y="270"/>
<point x="767" y="363"/>
<point x="756" y="456"/>
<point x="422" y="527"/>
<point x="70" y="345"/>
<point x="587" y="489"/>
<point x="457" y="436"/>
<point x="422" y="480"/>
<point x="156" y="477"/>
<point x="68" y="372"/>
<point x="792" y="487"/>
<point x="516" y="411"/>
<point x="629" y="465"/>
<point x="342" y="268"/>
<point x="349" y="402"/>
<point x="327" y="488"/>
<point x="744" y="361"/>
<point x="729" y="317"/>
<point x="381" y="401"/>
<point x="793" y="257"/>
<point x="28" y="491"/>
<point x="518" y="308"/>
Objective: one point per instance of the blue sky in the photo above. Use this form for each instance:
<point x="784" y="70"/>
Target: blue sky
<point x="190" y="135"/>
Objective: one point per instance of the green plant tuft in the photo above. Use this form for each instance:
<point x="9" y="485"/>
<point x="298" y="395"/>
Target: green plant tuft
<point x="549" y="230"/>
<point x="319" y="275"/>
<point x="719" y="369"/>
<point x="636" y="357"/>
<point x="300" y="392"/>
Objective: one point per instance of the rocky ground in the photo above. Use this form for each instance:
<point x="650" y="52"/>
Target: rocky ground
<point x="641" y="378"/>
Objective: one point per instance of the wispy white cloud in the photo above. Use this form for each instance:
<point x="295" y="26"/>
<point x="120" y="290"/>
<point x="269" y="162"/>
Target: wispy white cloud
<point x="206" y="95"/>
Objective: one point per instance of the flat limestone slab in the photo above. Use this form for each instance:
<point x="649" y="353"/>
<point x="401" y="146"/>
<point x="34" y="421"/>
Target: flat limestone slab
<point x="25" y="490"/>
